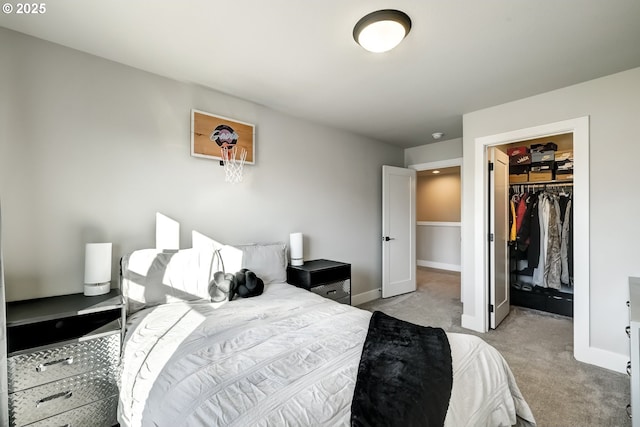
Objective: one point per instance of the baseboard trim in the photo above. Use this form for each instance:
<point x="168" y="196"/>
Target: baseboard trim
<point x="366" y="296"/>
<point x="472" y="322"/>
<point x="438" y="224"/>
<point x="602" y="358"/>
<point x="439" y="265"/>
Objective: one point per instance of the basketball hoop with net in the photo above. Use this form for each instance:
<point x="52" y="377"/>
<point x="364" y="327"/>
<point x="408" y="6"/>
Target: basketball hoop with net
<point x="232" y="165"/>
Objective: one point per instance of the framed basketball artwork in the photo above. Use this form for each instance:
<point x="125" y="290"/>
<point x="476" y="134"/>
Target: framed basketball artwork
<point x="212" y="135"/>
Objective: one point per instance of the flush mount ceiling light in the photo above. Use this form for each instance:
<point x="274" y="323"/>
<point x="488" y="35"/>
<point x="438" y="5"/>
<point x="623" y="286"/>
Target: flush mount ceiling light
<point x="382" y="30"/>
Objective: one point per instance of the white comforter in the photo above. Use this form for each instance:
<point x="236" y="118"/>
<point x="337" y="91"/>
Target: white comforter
<point x="285" y="358"/>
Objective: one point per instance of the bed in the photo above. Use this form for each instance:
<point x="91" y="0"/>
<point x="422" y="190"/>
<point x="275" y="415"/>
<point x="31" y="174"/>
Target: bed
<point x="285" y="358"/>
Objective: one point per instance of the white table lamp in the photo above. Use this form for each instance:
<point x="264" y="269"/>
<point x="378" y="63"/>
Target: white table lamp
<point x="97" y="269"/>
<point x="296" y="249"/>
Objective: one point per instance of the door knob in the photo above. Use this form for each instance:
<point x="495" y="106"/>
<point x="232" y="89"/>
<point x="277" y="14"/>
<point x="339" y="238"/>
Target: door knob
<point x="387" y="238"/>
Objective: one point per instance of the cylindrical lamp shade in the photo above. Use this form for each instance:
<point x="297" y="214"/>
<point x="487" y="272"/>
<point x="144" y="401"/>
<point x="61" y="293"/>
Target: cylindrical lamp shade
<point x="295" y="248"/>
<point x="97" y="268"/>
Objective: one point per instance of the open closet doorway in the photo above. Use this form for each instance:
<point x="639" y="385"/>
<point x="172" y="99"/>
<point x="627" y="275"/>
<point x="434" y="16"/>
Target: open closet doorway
<point x="438" y="205"/>
<point x="540" y="249"/>
<point x="579" y="130"/>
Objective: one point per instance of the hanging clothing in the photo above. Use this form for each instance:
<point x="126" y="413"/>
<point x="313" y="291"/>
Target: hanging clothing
<point x="564" y="246"/>
<point x="543" y="216"/>
<point x="523" y="237"/>
<point x="533" y="251"/>
<point x="521" y="210"/>
<point x="570" y="250"/>
<point x="512" y="230"/>
<point x="553" y="264"/>
<point x="543" y="244"/>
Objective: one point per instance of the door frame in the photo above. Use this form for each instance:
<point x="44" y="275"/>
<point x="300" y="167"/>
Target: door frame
<point x="581" y="318"/>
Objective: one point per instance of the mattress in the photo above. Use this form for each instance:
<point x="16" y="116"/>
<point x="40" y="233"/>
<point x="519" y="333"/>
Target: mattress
<point x="286" y="358"/>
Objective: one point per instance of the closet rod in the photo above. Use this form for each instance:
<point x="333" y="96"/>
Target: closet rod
<point x="553" y="183"/>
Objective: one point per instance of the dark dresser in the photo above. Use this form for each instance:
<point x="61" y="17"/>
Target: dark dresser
<point x="63" y="356"/>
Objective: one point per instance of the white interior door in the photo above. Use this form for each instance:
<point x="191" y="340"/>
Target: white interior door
<point x="498" y="236"/>
<point x="398" y="231"/>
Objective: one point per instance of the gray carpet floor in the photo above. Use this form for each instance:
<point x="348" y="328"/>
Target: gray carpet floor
<point x="538" y="346"/>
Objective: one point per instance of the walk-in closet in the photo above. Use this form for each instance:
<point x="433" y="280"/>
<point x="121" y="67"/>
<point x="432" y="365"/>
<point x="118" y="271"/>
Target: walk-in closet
<point x="541" y="211"/>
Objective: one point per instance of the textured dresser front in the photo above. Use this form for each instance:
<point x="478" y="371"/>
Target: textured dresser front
<point x="71" y="381"/>
<point x="337" y="291"/>
<point x="96" y="414"/>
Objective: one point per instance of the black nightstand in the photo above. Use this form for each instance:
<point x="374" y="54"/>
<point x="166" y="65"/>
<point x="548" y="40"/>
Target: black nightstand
<point x="331" y="279"/>
<point x="63" y="356"/>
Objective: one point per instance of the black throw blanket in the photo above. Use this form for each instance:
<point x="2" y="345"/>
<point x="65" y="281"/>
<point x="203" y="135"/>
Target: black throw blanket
<point x="404" y="377"/>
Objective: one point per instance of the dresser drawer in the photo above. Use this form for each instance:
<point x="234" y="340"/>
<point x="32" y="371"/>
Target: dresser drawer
<point x="337" y="291"/>
<point x="53" y="398"/>
<point x="97" y="414"/>
<point x="40" y="367"/>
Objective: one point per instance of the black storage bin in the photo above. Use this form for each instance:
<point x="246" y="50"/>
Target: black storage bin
<point x="543" y="299"/>
<point x="529" y="299"/>
<point x="560" y="304"/>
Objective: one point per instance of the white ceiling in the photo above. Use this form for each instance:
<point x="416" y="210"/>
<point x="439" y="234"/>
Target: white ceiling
<point x="428" y="173"/>
<point x="299" y="56"/>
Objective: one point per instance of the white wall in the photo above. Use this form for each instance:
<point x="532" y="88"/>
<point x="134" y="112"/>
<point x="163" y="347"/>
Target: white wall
<point x="90" y="150"/>
<point x="613" y="104"/>
<point x="436" y="151"/>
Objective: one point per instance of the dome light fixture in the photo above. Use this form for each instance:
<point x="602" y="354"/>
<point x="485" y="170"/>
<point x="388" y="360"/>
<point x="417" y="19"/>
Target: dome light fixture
<point x="382" y="30"/>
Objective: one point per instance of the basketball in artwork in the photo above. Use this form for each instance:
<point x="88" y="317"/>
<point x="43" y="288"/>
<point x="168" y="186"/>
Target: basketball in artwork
<point x="212" y="136"/>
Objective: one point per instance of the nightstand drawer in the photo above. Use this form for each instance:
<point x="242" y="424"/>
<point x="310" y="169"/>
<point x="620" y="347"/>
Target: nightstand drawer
<point x="40" y="367"/>
<point x="331" y="275"/>
<point x="337" y="291"/>
<point x="40" y="402"/>
<point x="97" y="414"/>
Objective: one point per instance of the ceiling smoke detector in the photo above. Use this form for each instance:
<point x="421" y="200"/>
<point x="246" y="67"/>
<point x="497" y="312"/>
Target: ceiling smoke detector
<point x="437" y="135"/>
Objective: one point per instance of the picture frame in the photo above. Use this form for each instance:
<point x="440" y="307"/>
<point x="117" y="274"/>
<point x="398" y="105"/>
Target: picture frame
<point x="210" y="132"/>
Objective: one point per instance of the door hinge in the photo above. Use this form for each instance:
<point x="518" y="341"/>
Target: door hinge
<point x="491" y="237"/>
<point x="490" y="166"/>
<point x="490" y="308"/>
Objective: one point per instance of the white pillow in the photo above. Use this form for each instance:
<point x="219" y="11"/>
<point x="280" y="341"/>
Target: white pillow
<point x="267" y="260"/>
<point x="151" y="277"/>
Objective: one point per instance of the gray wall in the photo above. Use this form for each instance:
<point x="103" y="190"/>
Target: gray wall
<point x="613" y="104"/>
<point x="438" y="196"/>
<point x="4" y="387"/>
<point x="438" y="246"/>
<point x="90" y="150"/>
<point x="438" y="206"/>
